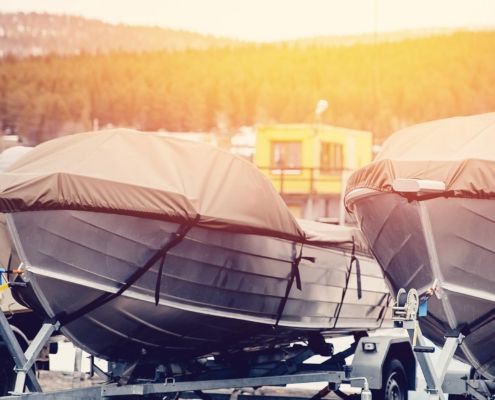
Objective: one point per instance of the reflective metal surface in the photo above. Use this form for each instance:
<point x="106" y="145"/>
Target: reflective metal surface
<point x="444" y="240"/>
<point x="219" y="290"/>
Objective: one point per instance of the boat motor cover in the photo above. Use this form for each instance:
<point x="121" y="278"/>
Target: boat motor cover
<point x="457" y="151"/>
<point x="150" y="175"/>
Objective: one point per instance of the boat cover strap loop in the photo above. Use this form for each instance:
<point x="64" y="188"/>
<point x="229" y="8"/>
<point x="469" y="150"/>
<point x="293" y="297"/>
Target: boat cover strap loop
<point x="294" y="275"/>
<point x="65" y="319"/>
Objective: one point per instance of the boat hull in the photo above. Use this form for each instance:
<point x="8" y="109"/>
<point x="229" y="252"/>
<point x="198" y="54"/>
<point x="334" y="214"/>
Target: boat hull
<point x="220" y="291"/>
<point x="447" y="241"/>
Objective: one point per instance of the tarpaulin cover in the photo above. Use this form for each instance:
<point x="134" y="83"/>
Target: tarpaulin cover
<point x="457" y="151"/>
<point x="154" y="175"/>
<point x="150" y="175"/>
<point x="337" y="236"/>
<point x="130" y="172"/>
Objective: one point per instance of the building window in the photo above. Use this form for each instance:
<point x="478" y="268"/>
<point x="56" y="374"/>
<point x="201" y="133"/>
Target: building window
<point x="331" y="158"/>
<point x="286" y="155"/>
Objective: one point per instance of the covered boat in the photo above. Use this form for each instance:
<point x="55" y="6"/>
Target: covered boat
<point x="427" y="207"/>
<point x="146" y="246"/>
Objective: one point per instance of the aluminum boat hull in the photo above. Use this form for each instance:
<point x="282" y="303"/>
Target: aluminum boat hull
<point x="220" y="291"/>
<point x="443" y="240"/>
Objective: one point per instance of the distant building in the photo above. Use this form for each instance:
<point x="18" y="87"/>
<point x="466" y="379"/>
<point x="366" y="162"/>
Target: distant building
<point x="309" y="164"/>
<point x="243" y="143"/>
<point x="202" y="137"/>
<point x="9" y="140"/>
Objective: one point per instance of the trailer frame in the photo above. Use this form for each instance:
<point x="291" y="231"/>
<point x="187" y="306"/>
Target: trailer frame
<point x="439" y="381"/>
<point x="333" y="372"/>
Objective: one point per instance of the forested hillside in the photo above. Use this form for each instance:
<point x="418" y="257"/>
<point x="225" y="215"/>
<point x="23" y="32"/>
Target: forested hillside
<point x="31" y="34"/>
<point x="378" y="87"/>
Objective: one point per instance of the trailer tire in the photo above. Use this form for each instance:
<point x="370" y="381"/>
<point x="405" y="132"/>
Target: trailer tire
<point x="7" y="374"/>
<point x="394" y="385"/>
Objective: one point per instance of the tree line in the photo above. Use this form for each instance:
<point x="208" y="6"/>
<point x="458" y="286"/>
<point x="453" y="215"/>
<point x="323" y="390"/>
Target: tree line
<point x="377" y="87"/>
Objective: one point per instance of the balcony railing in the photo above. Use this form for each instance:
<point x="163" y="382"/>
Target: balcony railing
<point x="305" y="180"/>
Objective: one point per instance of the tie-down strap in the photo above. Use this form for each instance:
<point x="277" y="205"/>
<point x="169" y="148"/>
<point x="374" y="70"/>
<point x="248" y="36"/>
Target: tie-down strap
<point x="294" y="275"/>
<point x="177" y="237"/>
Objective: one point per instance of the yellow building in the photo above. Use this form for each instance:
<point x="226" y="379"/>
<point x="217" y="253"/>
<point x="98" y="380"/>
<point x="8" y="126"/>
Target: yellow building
<point x="307" y="163"/>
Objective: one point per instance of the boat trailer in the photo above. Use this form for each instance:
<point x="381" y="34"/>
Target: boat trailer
<point x="367" y="371"/>
<point x="409" y="306"/>
<point x="284" y="366"/>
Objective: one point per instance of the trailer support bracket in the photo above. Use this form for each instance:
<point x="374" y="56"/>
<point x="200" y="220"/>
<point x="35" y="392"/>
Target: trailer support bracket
<point x="16" y="353"/>
<point x="24" y="360"/>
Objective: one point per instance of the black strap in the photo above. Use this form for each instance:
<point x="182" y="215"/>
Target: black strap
<point x="479" y="322"/>
<point x="9" y="269"/>
<point x="295" y="270"/>
<point x="159" y="280"/>
<point x="106" y="297"/>
<point x="382" y="314"/>
<point x="294" y="275"/>
<point x="354" y="259"/>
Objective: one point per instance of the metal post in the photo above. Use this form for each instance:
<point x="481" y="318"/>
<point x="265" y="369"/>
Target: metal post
<point x="447" y="354"/>
<point x="434" y="373"/>
<point x="77" y="374"/>
<point x="433" y="384"/>
<point x="282" y="173"/>
<point x="311" y="180"/>
<point x="32" y="353"/>
<point x="17" y="354"/>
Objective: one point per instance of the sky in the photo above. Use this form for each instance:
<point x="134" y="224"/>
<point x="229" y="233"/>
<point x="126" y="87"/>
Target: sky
<point x="270" y="20"/>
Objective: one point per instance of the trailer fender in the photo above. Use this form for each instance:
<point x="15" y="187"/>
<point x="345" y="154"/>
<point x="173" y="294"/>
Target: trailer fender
<point x="373" y="355"/>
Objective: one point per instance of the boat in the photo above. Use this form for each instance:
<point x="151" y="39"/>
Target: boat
<point x="426" y="206"/>
<point x="146" y="246"/>
<point x="7" y="303"/>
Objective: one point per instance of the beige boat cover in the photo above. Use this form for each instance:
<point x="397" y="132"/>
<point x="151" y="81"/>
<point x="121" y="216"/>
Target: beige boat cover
<point x="458" y="151"/>
<point x="336" y="236"/>
<point x="150" y="175"/>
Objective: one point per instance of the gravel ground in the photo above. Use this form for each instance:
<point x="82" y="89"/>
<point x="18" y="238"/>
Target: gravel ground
<point x="55" y="380"/>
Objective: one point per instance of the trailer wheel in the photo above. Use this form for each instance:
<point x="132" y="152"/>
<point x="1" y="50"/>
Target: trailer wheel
<point x="7" y="374"/>
<point x="394" y="385"/>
